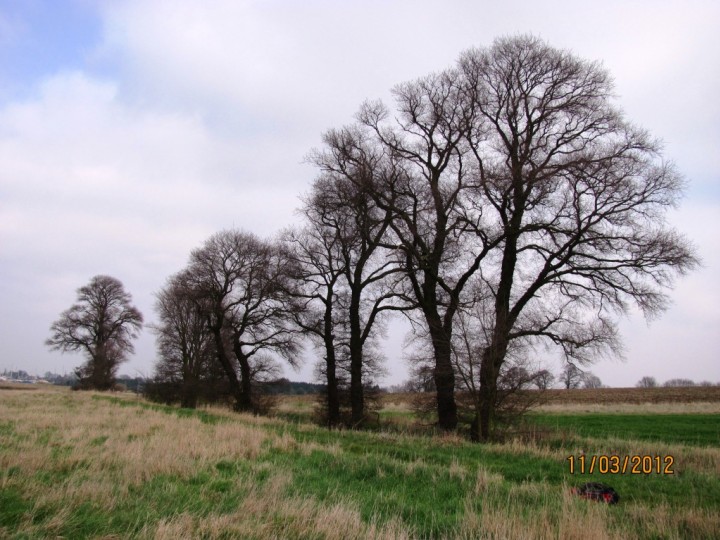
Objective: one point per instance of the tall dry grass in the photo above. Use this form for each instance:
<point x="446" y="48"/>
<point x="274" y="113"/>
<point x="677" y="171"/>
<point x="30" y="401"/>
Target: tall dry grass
<point x="113" y="449"/>
<point x="686" y="458"/>
<point x="505" y="514"/>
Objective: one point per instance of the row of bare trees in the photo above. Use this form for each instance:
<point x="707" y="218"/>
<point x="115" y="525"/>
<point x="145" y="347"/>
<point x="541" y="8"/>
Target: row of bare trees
<point x="651" y="382"/>
<point x="242" y="302"/>
<point x="522" y="209"/>
<point x="502" y="204"/>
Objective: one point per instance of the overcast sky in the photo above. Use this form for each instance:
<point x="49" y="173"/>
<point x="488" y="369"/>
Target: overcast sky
<point x="130" y="131"/>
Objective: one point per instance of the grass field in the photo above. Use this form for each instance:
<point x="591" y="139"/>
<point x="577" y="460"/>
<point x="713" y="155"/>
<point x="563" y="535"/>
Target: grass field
<point x="84" y="465"/>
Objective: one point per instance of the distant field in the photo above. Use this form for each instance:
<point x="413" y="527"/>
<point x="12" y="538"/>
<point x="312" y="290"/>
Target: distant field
<point x="397" y="409"/>
<point x="634" y="395"/>
<point x="83" y="465"/>
<point x="671" y="415"/>
<point x="690" y="429"/>
<point x="4" y="385"/>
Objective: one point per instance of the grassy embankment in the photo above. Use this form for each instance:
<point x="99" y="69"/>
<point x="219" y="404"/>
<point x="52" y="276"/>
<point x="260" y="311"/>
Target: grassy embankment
<point x="86" y="465"/>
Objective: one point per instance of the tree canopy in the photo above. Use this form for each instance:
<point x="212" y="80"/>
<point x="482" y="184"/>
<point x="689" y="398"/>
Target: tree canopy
<point x="518" y="190"/>
<point x="102" y="325"/>
<point x="501" y="204"/>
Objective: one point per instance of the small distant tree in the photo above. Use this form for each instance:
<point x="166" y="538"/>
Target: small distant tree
<point x="679" y="383"/>
<point x="647" y="382"/>
<point x="544" y="379"/>
<point x="102" y="325"/>
<point x="591" y="380"/>
<point x="571" y="376"/>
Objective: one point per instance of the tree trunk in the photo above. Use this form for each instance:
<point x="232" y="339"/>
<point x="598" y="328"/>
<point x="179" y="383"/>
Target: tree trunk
<point x="494" y="355"/>
<point x="492" y="360"/>
<point x="189" y="392"/>
<point x="188" y="399"/>
<point x="475" y="426"/>
<point x="227" y="366"/>
<point x="357" y="399"/>
<point x="333" y="399"/>
<point x="246" y="402"/>
<point x="101" y="370"/>
<point x="488" y="393"/>
<point x="444" y="376"/>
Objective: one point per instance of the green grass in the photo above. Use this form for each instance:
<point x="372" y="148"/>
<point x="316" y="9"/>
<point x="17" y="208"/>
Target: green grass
<point x="363" y="454"/>
<point x="12" y="507"/>
<point x="427" y="483"/>
<point x="357" y="471"/>
<point x="689" y="429"/>
<point x="369" y="466"/>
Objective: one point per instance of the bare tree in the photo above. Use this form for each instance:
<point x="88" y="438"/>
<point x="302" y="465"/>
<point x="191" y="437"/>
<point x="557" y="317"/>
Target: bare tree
<point x="544" y="379"/>
<point x="243" y="287"/>
<point x="579" y="195"/>
<point x="571" y="376"/>
<point x="185" y="345"/>
<point x="102" y="325"/>
<point x="590" y="380"/>
<point x="341" y="203"/>
<point x="319" y="265"/>
<point x="647" y="382"/>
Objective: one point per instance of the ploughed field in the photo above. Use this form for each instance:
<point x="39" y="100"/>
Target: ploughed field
<point x="692" y="394"/>
<point x="87" y="465"/>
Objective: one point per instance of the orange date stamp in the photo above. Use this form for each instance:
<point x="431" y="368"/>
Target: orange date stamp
<point x="612" y="464"/>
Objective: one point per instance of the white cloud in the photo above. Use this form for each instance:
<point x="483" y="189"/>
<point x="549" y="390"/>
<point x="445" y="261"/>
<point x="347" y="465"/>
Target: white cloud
<point x="76" y="154"/>
<point x="304" y="67"/>
<point x="92" y="185"/>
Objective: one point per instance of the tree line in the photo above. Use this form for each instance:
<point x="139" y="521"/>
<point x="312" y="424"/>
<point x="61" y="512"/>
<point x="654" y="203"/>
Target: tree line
<point x="501" y="205"/>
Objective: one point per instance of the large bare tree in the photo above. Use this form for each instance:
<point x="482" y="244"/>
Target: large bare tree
<point x="319" y="268"/>
<point x="102" y="325"/>
<point x="516" y="173"/>
<point x="429" y="186"/>
<point x="580" y="196"/>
